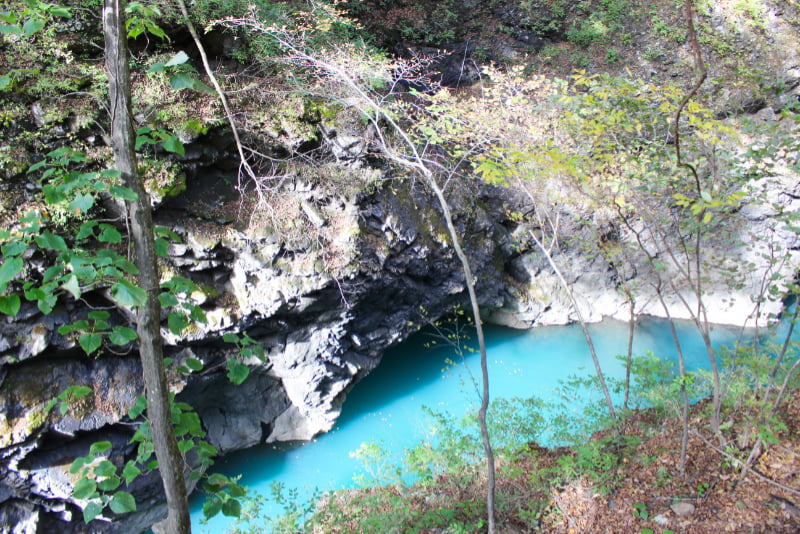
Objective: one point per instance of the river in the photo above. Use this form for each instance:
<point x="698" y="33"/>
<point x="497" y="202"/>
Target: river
<point x="386" y="406"/>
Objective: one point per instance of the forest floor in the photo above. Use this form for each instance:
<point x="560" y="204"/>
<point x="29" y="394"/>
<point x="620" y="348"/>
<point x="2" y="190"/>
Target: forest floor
<point x="646" y="487"/>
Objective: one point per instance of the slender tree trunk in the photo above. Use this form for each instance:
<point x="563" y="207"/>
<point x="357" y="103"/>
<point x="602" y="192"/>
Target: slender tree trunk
<point x="684" y="395"/>
<point x="609" y="403"/>
<point x="629" y="356"/>
<point x="473" y="299"/>
<point x="169" y="457"/>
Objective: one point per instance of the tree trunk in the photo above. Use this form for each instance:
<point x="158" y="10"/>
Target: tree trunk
<point x="169" y="457"/>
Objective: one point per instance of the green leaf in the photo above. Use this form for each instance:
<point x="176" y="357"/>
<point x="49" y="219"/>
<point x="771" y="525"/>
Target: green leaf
<point x="185" y="445"/>
<point x="122" y="503"/>
<point x="99" y="447"/>
<point x="32" y="26"/>
<point x="15" y="248"/>
<point x="236" y="490"/>
<point x="90" y="342"/>
<point x="122" y="335"/>
<point x="84" y="489"/>
<point x="92" y="510"/>
<point x="127" y="294"/>
<point x="46" y="303"/>
<point x="182" y="81"/>
<point x="72" y="286"/>
<point x="138" y="407"/>
<point x="51" y="241"/>
<point x="162" y="247"/>
<point x="60" y="11"/>
<point x="86" y="230"/>
<point x="231" y="508"/>
<point x="109" y="484"/>
<point x="177" y="321"/>
<point x="76" y="392"/>
<point x="82" y="203"/>
<point x="157" y="67"/>
<point x="167" y="300"/>
<point x="194" y="364"/>
<point x="127" y="266"/>
<point x="178" y="59"/>
<point x="10" y="269"/>
<point x="122" y="193"/>
<point x="109" y="234"/>
<point x="12" y="29"/>
<point x="212" y="507"/>
<point x="230" y="338"/>
<point x="9" y="304"/>
<point x="237" y="372"/>
<point x="174" y="145"/>
<point x="130" y="472"/>
<point x="105" y="469"/>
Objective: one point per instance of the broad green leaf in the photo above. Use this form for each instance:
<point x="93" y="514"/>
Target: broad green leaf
<point x="76" y="392"/>
<point x="14" y="248"/>
<point x="86" y="230"/>
<point x="185" y="445"/>
<point x="84" y="489"/>
<point x="138" y="408"/>
<point x="9" y="304"/>
<point x="231" y="508"/>
<point x="122" y="503"/>
<point x="230" y="338"/>
<point x="237" y="372"/>
<point x="72" y="286"/>
<point x="82" y="203"/>
<point x="51" y="241"/>
<point x="162" y="247"/>
<point x="105" y="469"/>
<point x="236" y="490"/>
<point x="167" y="300"/>
<point x="127" y="266"/>
<point x="127" y="294"/>
<point x="10" y="269"/>
<point x="130" y="472"/>
<point x="157" y="67"/>
<point x="178" y="59"/>
<point x="53" y="272"/>
<point x="166" y="232"/>
<point x="90" y="342"/>
<point x="122" y="335"/>
<point x="174" y="145"/>
<point x="182" y="81"/>
<point x="109" y="484"/>
<point x="12" y="29"/>
<point x="32" y="26"/>
<point x="99" y="447"/>
<point x="109" y="234"/>
<point x="197" y="314"/>
<point x="194" y="364"/>
<point x="122" y="193"/>
<point x="60" y="11"/>
<point x="177" y="321"/>
<point x="92" y="510"/>
<point x="98" y="315"/>
<point x="46" y="303"/>
<point x="212" y="507"/>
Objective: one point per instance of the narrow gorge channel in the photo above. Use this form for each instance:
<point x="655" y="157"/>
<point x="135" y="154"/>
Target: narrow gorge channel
<point x="386" y="407"/>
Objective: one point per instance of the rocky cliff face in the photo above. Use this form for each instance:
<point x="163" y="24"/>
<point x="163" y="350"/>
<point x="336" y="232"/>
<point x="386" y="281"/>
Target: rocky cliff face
<point x="321" y="333"/>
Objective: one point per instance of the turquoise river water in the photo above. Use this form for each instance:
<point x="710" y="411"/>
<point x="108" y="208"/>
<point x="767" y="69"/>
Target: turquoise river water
<point x="386" y="406"/>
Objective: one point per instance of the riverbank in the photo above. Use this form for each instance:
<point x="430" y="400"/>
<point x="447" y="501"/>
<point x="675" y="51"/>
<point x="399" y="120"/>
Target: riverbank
<point x="623" y="480"/>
